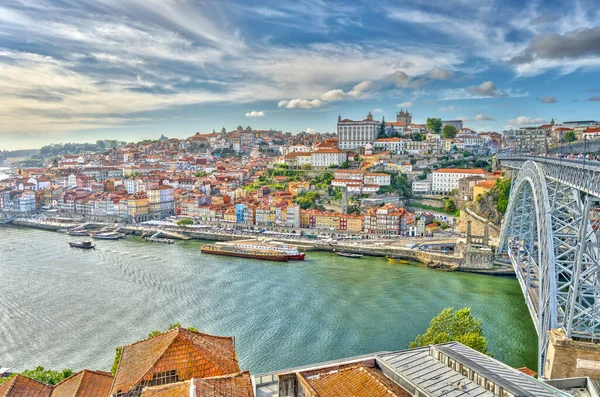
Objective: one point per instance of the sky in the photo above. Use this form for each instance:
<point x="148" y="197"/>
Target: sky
<point x="79" y="71"/>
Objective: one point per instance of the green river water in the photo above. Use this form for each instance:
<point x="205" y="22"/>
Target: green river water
<point x="63" y="307"/>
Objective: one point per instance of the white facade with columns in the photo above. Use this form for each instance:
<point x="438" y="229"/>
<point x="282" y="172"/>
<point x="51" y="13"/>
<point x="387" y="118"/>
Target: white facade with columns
<point x="353" y="134"/>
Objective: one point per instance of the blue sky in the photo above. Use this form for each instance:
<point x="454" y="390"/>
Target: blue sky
<point x="76" y="70"/>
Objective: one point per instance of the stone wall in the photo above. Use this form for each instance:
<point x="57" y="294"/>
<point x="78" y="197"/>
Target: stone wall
<point x="567" y="358"/>
<point x="477" y="224"/>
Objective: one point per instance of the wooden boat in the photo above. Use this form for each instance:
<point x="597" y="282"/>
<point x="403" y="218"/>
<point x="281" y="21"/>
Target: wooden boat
<point x="392" y="259"/>
<point x="348" y="254"/>
<point x="82" y="244"/>
<point x="243" y="252"/>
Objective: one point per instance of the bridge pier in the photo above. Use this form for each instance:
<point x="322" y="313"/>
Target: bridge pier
<point x="568" y="358"/>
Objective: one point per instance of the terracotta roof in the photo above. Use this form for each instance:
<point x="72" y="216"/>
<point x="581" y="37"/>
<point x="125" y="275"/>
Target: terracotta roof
<point x="461" y="170"/>
<point x="527" y="371"/>
<point x="84" y="383"/>
<point x="235" y="385"/>
<point x="357" y="381"/>
<point x="191" y="354"/>
<point x="21" y="386"/>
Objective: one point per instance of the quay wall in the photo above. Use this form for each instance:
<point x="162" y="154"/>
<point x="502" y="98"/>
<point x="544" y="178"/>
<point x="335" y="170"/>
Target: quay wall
<point x="466" y="261"/>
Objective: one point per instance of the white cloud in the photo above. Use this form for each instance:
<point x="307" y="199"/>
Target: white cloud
<point x="255" y="113"/>
<point x="377" y="110"/>
<point x="359" y="91"/>
<point x="524" y="120"/>
<point x="406" y="104"/>
<point x="310" y="130"/>
<point x="487" y="88"/>
<point x="482" y="117"/>
<point x="301" y="103"/>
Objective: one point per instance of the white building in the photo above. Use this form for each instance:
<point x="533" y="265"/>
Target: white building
<point x="354" y="134"/>
<point x="327" y="157"/>
<point x="446" y="179"/>
<point x="377" y="178"/>
<point x="395" y="145"/>
<point x="421" y="187"/>
<point x="293" y="215"/>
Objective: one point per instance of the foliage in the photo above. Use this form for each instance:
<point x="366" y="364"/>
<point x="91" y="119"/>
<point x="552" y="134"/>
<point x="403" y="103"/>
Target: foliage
<point x="322" y="180"/>
<point x="354" y="209"/>
<point x="417" y="137"/>
<point x="306" y="200"/>
<point x="459" y="326"/>
<point x="449" y="132"/>
<point x="115" y="366"/>
<point x="47" y="376"/>
<point x="345" y="165"/>
<point x="306" y="167"/>
<point x="449" y="206"/>
<point x="200" y="174"/>
<point x="502" y="189"/>
<point x="455" y="213"/>
<point x="398" y="184"/>
<point x="381" y="133"/>
<point x="569" y="136"/>
<point x="185" y="222"/>
<point x="434" y="125"/>
<point x="71" y="148"/>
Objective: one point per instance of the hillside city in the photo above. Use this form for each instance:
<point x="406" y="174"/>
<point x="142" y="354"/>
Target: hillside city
<point x="368" y="177"/>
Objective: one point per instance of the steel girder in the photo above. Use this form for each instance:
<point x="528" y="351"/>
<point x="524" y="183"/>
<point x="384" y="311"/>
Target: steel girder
<point x="565" y="253"/>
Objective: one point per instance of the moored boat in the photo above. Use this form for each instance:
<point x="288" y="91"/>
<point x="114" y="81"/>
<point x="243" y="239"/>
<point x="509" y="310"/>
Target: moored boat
<point x="347" y="254"/>
<point x="108" y="236"/>
<point x="77" y="233"/>
<point x="82" y="244"/>
<point x="243" y="252"/>
<point x="291" y="251"/>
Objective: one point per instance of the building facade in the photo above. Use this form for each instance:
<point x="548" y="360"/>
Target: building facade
<point x="355" y="134"/>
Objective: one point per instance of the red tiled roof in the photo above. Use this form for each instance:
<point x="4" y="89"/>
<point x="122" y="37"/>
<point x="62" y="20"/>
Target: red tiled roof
<point x="235" y="385"/>
<point x="84" y="383"/>
<point x="21" y="386"/>
<point x="192" y="354"/>
<point x="355" y="381"/>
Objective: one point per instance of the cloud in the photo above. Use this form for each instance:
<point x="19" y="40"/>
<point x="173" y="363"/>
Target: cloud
<point x="440" y="74"/>
<point x="377" y="110"/>
<point x="481" y="117"/>
<point x="594" y="99"/>
<point x="578" y="43"/>
<point x="403" y="80"/>
<point x="544" y="18"/>
<point x="301" y="103"/>
<point x="524" y="120"/>
<point x="450" y="108"/>
<point x="358" y="91"/>
<point x="310" y="130"/>
<point x="404" y="104"/>
<point x="548" y="99"/>
<point x="255" y="113"/>
<point x="485" y="89"/>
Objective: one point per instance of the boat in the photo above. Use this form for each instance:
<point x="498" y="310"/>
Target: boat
<point x="108" y="236"/>
<point x="82" y="244"/>
<point x="393" y="259"/>
<point x="77" y="233"/>
<point x="291" y="251"/>
<point x="159" y="240"/>
<point x="225" y="250"/>
<point x="347" y="254"/>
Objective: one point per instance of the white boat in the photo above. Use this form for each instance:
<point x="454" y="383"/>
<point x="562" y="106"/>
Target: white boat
<point x="291" y="251"/>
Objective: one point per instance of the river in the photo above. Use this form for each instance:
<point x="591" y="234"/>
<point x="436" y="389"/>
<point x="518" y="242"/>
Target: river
<point x="62" y="307"/>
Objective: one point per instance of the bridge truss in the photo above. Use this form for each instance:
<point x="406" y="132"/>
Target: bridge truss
<point x="550" y="234"/>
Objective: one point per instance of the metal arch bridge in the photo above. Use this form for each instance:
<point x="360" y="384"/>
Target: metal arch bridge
<point x="550" y="232"/>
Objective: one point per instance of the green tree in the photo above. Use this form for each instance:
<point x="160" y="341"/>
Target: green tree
<point x="118" y="352"/>
<point x="502" y="189"/>
<point x="345" y="165"/>
<point x="417" y="137"/>
<point x="570" y="136"/>
<point x="449" y="206"/>
<point x="434" y="125"/>
<point x="458" y="326"/>
<point x="185" y="222"/>
<point x="382" y="129"/>
<point x="48" y="376"/>
<point x="449" y="132"/>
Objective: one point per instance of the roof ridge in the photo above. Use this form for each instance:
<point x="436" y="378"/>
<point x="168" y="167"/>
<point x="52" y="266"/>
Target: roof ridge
<point x="82" y="372"/>
<point x="379" y="381"/>
<point x="14" y="380"/>
<point x="226" y="376"/>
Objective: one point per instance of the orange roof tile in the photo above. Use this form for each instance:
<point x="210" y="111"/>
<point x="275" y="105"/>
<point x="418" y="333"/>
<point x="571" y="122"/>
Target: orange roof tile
<point x="235" y="385"/>
<point x="191" y="354"/>
<point x="461" y="170"/>
<point x="84" y="383"/>
<point x="21" y="386"/>
<point x="355" y="381"/>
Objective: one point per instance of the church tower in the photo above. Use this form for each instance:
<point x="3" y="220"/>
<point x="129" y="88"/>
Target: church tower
<point x="404" y="117"/>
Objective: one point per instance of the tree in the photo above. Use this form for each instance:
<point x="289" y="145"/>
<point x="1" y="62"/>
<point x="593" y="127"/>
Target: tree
<point x="449" y="132"/>
<point x="47" y="376"/>
<point x="434" y="125"/>
<point x="382" y="129"/>
<point x="118" y="352"/>
<point x="185" y="222"/>
<point x="569" y="136"/>
<point x="449" y="206"/>
<point x="458" y="326"/>
<point x="417" y="137"/>
<point x="345" y="165"/>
